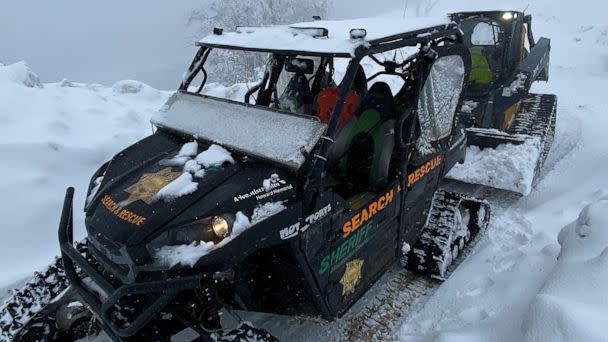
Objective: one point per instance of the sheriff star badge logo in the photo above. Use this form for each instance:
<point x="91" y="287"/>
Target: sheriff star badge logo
<point x="351" y="277"/>
<point x="149" y="184"/>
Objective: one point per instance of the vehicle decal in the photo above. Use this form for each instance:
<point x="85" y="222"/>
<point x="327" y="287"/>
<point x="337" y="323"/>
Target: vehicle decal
<point x="347" y="248"/>
<point x="271" y="186"/>
<point x="295" y="229"/>
<point x="422" y="171"/>
<point x="149" y="184"/>
<point x="367" y="213"/>
<point x="351" y="277"/>
<point x="121" y="212"/>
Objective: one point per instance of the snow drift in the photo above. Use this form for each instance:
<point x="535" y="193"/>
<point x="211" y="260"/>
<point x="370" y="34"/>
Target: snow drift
<point x="573" y="303"/>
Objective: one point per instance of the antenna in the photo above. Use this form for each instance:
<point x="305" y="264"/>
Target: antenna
<point x="525" y="9"/>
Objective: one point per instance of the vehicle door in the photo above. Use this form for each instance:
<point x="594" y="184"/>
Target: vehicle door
<point x="363" y="243"/>
<point x="431" y="148"/>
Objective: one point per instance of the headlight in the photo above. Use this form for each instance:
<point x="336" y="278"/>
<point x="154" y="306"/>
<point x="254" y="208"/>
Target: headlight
<point x="211" y="229"/>
<point x="508" y="16"/>
<point x="220" y="226"/>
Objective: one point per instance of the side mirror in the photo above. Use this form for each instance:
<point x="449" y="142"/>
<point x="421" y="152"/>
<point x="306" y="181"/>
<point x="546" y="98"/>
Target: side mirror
<point x="300" y="65"/>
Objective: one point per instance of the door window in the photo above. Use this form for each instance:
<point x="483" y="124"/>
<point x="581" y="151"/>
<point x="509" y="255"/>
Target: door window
<point x="484" y="34"/>
<point x="438" y="100"/>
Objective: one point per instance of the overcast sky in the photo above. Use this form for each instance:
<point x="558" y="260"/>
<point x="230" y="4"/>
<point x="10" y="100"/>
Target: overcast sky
<point x="110" y="40"/>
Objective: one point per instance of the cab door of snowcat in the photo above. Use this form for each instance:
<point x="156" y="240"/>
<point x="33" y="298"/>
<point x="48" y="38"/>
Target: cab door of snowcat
<point x="436" y="141"/>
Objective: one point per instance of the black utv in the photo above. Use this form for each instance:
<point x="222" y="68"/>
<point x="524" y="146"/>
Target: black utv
<point x="294" y="196"/>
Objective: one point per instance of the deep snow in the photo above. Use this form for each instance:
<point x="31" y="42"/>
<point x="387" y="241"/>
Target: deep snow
<point x="513" y="287"/>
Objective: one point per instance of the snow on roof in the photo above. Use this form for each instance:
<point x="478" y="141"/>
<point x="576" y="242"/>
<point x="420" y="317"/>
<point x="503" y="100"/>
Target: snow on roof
<point x="338" y="41"/>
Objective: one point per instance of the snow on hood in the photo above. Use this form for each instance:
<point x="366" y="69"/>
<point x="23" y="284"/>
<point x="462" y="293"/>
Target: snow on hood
<point x="573" y="303"/>
<point x="213" y="156"/>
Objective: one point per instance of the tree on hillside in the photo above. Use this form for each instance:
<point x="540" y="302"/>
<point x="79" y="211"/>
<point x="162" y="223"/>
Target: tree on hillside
<point x="233" y="67"/>
<point x="423" y="7"/>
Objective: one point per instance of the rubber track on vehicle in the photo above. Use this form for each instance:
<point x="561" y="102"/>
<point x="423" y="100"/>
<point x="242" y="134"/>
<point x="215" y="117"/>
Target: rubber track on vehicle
<point x="36" y="294"/>
<point x="406" y="291"/>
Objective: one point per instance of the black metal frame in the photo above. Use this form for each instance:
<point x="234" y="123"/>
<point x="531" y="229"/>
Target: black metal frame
<point x="367" y="48"/>
<point x="72" y="259"/>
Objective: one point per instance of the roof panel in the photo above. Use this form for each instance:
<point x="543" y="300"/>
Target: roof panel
<point x="289" y="38"/>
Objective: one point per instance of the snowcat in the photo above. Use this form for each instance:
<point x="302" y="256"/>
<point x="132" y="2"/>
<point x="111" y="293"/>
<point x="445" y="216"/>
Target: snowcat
<point x="499" y="109"/>
<point x="293" y="197"/>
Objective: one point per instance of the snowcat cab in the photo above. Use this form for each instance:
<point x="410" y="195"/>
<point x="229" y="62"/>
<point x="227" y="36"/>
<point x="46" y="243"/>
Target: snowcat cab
<point x="291" y="200"/>
<point x="499" y="108"/>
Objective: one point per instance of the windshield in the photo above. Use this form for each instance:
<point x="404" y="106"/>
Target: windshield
<point x="481" y="32"/>
<point x="257" y="103"/>
<point x="278" y="81"/>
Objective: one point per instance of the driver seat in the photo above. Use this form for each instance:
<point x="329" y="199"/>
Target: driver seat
<point x="363" y="148"/>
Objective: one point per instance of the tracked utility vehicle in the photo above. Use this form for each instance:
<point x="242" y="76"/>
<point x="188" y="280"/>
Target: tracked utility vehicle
<point x="499" y="109"/>
<point x="293" y="197"/>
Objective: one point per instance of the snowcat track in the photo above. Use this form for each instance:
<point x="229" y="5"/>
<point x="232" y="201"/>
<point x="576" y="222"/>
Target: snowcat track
<point x="537" y="117"/>
<point x="407" y="289"/>
<point x="23" y="304"/>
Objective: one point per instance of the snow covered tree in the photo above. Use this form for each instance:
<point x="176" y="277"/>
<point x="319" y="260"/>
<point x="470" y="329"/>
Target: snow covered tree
<point x="423" y="7"/>
<point x="231" y="67"/>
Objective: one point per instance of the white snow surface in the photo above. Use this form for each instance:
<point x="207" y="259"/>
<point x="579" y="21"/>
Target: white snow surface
<point x="181" y="186"/>
<point x="286" y="38"/>
<point x="215" y="155"/>
<point x="508" y="166"/>
<point x="521" y="283"/>
<point x="188" y="150"/>
<point x="572" y="304"/>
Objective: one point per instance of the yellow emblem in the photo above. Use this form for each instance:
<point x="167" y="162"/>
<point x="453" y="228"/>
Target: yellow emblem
<point x="351" y="277"/>
<point x="149" y="184"/>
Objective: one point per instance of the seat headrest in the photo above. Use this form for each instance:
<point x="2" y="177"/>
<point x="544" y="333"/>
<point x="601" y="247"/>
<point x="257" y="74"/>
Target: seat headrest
<point x="380" y="89"/>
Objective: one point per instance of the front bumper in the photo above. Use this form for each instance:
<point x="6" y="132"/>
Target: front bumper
<point x="78" y="269"/>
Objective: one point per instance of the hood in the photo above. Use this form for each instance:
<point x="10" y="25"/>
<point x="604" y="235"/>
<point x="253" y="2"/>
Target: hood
<point x="154" y="183"/>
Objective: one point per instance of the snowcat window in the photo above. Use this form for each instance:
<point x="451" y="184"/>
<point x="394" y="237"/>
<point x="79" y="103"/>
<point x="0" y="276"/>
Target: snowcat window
<point x="439" y="98"/>
<point x="485" y="34"/>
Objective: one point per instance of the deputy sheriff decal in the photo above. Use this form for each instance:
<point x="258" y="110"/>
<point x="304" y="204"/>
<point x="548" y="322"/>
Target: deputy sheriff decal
<point x="351" y="277"/>
<point x="149" y="185"/>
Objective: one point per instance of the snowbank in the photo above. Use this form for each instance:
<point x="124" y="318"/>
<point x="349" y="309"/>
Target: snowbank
<point x="573" y="303"/>
<point x="19" y="73"/>
<point x="52" y="136"/>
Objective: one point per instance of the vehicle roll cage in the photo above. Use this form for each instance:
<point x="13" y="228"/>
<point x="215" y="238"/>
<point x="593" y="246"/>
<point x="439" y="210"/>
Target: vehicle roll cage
<point x="425" y="38"/>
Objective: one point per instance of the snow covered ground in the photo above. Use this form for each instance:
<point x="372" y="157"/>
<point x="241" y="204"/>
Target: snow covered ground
<point x="521" y="283"/>
<point x="52" y="136"/>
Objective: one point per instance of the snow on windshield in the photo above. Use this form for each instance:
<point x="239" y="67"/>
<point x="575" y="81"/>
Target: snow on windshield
<point x="279" y="137"/>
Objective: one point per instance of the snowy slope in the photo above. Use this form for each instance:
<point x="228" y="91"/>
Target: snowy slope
<point x="53" y="136"/>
